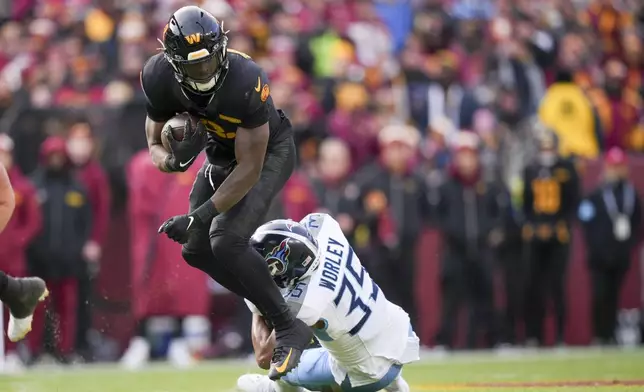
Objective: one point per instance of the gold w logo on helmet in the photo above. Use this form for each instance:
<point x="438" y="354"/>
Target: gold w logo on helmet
<point x="193" y="38"/>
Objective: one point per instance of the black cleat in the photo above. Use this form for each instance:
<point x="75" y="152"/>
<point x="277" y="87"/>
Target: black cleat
<point x="21" y="307"/>
<point x="288" y="349"/>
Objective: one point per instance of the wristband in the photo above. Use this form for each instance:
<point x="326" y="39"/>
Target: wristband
<point x="206" y="212"/>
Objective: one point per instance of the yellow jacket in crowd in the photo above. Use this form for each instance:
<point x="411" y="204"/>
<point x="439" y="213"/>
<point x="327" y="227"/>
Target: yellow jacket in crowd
<point x="569" y="113"/>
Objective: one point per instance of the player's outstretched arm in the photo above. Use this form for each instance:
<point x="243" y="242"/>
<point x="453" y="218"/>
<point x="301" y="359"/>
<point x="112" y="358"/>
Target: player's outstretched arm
<point x="263" y="342"/>
<point x="7" y="201"/>
<point x="158" y="153"/>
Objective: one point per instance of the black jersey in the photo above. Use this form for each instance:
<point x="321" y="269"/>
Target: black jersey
<point x="551" y="193"/>
<point x="242" y="101"/>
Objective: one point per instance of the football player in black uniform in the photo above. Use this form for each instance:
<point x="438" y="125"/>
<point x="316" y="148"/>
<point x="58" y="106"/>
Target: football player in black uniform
<point x="21" y="295"/>
<point x="550" y="198"/>
<point x="251" y="154"/>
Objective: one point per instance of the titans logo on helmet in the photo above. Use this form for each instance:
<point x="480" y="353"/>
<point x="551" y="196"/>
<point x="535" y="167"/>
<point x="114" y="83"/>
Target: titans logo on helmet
<point x="277" y="259"/>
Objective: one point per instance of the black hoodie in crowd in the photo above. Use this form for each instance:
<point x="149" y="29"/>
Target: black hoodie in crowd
<point x="67" y="221"/>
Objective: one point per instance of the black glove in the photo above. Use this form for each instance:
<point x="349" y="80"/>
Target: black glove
<point x="183" y="152"/>
<point x="178" y="228"/>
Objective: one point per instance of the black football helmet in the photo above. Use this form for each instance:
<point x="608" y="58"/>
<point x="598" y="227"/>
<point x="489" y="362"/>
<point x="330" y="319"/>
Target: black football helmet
<point x="195" y="44"/>
<point x="289" y="249"/>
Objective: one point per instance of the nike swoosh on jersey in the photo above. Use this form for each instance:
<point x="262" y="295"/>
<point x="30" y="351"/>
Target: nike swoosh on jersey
<point x="282" y="369"/>
<point x="259" y="84"/>
<point x="192" y="219"/>
<point x="182" y="164"/>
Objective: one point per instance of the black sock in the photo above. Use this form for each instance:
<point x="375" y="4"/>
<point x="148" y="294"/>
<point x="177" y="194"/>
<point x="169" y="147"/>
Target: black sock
<point x="142" y="328"/>
<point x="251" y="271"/>
<point x="4" y="283"/>
<point x="9" y="288"/>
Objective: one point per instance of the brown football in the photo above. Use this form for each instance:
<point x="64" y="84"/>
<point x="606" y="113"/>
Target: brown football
<point x="174" y="128"/>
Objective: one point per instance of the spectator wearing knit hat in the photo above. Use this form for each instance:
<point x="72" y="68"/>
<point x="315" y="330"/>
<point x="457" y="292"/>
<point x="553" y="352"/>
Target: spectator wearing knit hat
<point x="393" y="210"/>
<point x="56" y="253"/>
<point x="611" y="217"/>
<point x="82" y="153"/>
<point x="469" y="213"/>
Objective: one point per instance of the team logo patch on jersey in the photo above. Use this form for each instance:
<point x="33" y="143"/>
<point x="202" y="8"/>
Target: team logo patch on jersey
<point x="266" y="91"/>
<point x="277" y="259"/>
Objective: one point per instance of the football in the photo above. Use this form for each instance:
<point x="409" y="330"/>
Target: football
<point x="174" y="128"/>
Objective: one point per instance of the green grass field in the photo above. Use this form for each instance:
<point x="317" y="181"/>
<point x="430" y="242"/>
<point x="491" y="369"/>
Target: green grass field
<point x="569" y="371"/>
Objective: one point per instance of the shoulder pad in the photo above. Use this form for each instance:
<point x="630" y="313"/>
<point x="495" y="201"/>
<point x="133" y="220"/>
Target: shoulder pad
<point x="154" y="70"/>
<point x="313" y="221"/>
<point x="246" y="88"/>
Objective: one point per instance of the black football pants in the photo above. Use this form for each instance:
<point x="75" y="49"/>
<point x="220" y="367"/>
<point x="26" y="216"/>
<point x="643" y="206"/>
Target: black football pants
<point x="394" y="272"/>
<point x="606" y="286"/>
<point x="466" y="282"/>
<point x="547" y="266"/>
<point x="224" y="252"/>
<point x="513" y="270"/>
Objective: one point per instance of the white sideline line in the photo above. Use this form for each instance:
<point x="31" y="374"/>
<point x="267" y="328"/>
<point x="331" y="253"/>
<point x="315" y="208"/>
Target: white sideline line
<point x="471" y="357"/>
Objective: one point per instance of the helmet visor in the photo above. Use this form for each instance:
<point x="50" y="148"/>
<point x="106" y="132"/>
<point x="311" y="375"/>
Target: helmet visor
<point x="202" y="69"/>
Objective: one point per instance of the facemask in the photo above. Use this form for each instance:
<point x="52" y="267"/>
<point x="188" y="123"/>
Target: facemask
<point x="547" y="158"/>
<point x="79" y="150"/>
<point x="204" y="87"/>
<point x="613" y="87"/>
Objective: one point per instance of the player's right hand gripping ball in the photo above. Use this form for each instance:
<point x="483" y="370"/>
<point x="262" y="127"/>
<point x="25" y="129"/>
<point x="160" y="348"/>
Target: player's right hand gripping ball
<point x="185" y="151"/>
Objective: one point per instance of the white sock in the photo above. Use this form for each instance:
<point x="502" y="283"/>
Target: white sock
<point x="399" y="385"/>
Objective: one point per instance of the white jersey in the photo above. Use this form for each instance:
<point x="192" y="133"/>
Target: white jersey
<point x="350" y="315"/>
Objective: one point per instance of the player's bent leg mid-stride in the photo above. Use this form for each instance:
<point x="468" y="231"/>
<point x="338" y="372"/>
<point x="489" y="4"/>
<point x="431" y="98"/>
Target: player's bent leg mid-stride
<point x="21" y="296"/>
<point x="227" y="241"/>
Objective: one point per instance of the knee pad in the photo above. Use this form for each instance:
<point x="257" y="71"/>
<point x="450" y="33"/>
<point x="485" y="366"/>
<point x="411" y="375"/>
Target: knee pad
<point x="195" y="259"/>
<point x="226" y="246"/>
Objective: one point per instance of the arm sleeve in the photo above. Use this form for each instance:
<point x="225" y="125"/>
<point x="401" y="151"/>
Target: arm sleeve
<point x="597" y="129"/>
<point x="528" y="196"/>
<point x="500" y="206"/>
<point x="573" y="193"/>
<point x="423" y="201"/>
<point x="636" y="220"/>
<point x="157" y="104"/>
<point x="258" y="102"/>
<point x="85" y="215"/>
<point x="439" y="205"/>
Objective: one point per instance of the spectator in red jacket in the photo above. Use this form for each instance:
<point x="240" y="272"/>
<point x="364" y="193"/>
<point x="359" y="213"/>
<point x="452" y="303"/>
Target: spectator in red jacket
<point x="162" y="285"/>
<point x="81" y="149"/>
<point x="21" y="229"/>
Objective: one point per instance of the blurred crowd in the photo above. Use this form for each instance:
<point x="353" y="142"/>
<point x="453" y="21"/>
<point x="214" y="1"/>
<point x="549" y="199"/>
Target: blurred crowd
<point x="474" y="118"/>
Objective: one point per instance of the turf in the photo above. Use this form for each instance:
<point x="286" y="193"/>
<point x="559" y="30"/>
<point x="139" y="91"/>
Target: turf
<point x="569" y="371"/>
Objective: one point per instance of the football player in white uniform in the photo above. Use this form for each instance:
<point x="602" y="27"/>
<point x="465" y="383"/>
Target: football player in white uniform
<point x="365" y="339"/>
